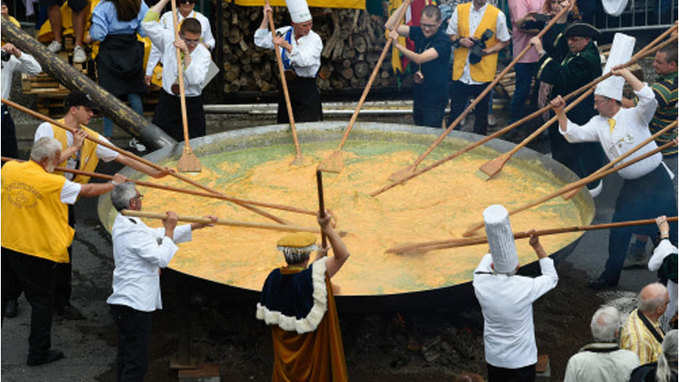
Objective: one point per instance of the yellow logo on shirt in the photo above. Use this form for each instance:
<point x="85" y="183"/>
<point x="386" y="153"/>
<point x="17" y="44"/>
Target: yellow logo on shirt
<point x="22" y="195"/>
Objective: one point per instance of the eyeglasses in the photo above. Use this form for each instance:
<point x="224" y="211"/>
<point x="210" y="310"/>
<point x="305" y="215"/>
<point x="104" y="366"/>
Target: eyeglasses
<point x="428" y="26"/>
<point x="189" y="41"/>
<point x="186" y="1"/>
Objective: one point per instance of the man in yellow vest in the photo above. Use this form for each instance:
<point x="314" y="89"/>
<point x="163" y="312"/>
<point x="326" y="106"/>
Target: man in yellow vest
<point x="36" y="236"/>
<point x="478" y="31"/>
<point x="81" y="154"/>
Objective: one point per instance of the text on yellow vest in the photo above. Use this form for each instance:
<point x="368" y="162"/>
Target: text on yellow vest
<point x="484" y="70"/>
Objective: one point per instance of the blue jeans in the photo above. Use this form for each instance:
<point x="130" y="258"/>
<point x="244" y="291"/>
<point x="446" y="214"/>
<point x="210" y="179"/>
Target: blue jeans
<point x="136" y="105"/>
<point x="524" y="77"/>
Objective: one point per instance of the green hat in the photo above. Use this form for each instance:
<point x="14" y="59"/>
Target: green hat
<point x="582" y="30"/>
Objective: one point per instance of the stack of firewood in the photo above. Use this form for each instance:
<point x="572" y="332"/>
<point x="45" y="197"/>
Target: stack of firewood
<point x="352" y="41"/>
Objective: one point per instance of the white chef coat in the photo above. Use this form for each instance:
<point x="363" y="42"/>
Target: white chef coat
<point x="167" y="21"/>
<point x="45" y="129"/>
<point x="664" y="249"/>
<point x="24" y="64"/>
<point x="631" y="128"/>
<point x="305" y="57"/>
<point x="194" y="74"/>
<point x="475" y="17"/>
<point x="139" y="252"/>
<point x="507" y="307"/>
<point x="594" y="364"/>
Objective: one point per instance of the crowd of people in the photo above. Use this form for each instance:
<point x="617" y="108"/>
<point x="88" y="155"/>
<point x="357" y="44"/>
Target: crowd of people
<point x="297" y="299"/>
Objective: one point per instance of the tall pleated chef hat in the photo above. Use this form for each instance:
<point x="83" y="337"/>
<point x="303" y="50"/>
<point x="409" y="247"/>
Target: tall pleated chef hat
<point x="621" y="52"/>
<point x="299" y="10"/>
<point x="614" y="7"/>
<point x="500" y="239"/>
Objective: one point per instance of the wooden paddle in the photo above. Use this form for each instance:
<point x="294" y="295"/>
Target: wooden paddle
<point x="494" y="166"/>
<point x="140" y="159"/>
<point x="608" y="165"/>
<point x="577" y="184"/>
<point x="321" y="205"/>
<point x="232" y="223"/>
<point x="500" y="132"/>
<point x="188" y="162"/>
<point x="403" y="173"/>
<point x="335" y="162"/>
<point x="180" y="190"/>
<point x="298" y="161"/>
<point x="454" y="243"/>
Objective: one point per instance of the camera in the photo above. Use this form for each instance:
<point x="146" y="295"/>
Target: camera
<point x="5" y="55"/>
<point x="479" y="45"/>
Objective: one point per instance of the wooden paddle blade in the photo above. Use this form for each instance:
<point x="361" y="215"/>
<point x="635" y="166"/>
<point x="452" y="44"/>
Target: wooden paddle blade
<point x="188" y="162"/>
<point x="333" y="163"/>
<point x="401" y="174"/>
<point x="494" y="166"/>
<point x="471" y="231"/>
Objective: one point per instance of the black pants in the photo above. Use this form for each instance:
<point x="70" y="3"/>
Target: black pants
<point x="168" y="116"/>
<point x="428" y="112"/>
<point x="9" y="138"/>
<point x="305" y="100"/>
<point x="460" y="93"/>
<point x="63" y="273"/>
<point x="35" y="276"/>
<point x="134" y="334"/>
<point x="499" y="374"/>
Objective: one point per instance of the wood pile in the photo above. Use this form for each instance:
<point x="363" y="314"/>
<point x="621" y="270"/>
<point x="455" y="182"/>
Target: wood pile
<point x="352" y="41"/>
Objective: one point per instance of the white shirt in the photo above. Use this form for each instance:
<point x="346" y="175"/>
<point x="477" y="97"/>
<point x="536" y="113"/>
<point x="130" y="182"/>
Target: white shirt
<point x="664" y="249"/>
<point x="601" y="366"/>
<point x="631" y="128"/>
<point x="103" y="153"/>
<point x="24" y="64"/>
<point x="507" y="307"/>
<point x="167" y="21"/>
<point x="305" y="56"/>
<point x="139" y="252"/>
<point x="194" y="74"/>
<point x="69" y="192"/>
<point x="475" y="17"/>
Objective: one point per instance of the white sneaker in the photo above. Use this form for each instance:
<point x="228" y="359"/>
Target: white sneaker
<point x="492" y="121"/>
<point x="134" y="143"/>
<point x="54" y="46"/>
<point x="79" y="55"/>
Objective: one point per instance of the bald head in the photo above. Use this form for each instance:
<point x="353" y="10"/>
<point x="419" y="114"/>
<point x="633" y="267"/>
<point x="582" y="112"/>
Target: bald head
<point x="653" y="299"/>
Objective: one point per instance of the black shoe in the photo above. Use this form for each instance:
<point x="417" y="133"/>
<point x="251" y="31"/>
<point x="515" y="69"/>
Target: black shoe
<point x="52" y="355"/>
<point x="69" y="312"/>
<point x="601" y="284"/>
<point x="11" y="309"/>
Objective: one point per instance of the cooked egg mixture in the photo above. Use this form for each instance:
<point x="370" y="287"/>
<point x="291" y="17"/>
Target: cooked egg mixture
<point x="438" y="205"/>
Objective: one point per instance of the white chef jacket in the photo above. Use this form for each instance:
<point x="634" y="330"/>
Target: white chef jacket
<point x="194" y="74"/>
<point x="305" y="57"/>
<point x="664" y="249"/>
<point x="24" y="64"/>
<point x="475" y="17"/>
<point x="45" y="129"/>
<point x="631" y="128"/>
<point x="593" y="364"/>
<point x="139" y="252"/>
<point x="507" y="307"/>
<point x="167" y="22"/>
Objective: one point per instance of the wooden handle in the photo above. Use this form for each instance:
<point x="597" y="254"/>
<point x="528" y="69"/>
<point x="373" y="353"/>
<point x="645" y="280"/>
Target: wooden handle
<point x="180" y="78"/>
<point x="321" y="204"/>
<point x="453" y="243"/>
<point x="232" y="223"/>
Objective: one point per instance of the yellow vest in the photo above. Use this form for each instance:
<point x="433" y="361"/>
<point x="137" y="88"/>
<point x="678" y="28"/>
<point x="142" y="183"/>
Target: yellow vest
<point x="88" y="153"/>
<point x="484" y="71"/>
<point x="34" y="220"/>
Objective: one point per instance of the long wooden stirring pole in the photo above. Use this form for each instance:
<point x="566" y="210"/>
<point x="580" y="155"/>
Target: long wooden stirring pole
<point x="398" y="175"/>
<point x="453" y="243"/>
<point x="284" y="84"/>
<point x="140" y="159"/>
<point x="335" y="162"/>
<point x="321" y="204"/>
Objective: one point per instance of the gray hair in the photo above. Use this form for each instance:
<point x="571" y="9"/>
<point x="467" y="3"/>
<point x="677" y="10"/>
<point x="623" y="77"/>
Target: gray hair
<point x="45" y="148"/>
<point x="294" y="256"/>
<point x="122" y="194"/>
<point x="667" y="360"/>
<point x="605" y="324"/>
<point x="651" y="297"/>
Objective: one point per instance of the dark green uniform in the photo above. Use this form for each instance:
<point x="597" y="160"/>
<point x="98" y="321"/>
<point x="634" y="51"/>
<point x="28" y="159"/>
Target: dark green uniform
<point x="665" y="91"/>
<point x="567" y="72"/>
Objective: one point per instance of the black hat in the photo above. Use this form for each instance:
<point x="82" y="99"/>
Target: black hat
<point x="78" y="99"/>
<point x="582" y="30"/>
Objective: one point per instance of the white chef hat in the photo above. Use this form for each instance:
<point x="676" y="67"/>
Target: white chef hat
<point x="500" y="239"/>
<point x="614" y="7"/>
<point x="621" y="52"/>
<point x="299" y="10"/>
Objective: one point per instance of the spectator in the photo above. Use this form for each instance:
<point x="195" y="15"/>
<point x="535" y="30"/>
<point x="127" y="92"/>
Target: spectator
<point x="642" y="333"/>
<point x="80" y="8"/>
<point x="507" y="299"/>
<point x="432" y="50"/>
<point x="664" y="261"/>
<point x="665" y="370"/>
<point x="602" y="360"/>
<point x="36" y="235"/>
<point x="121" y="56"/>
